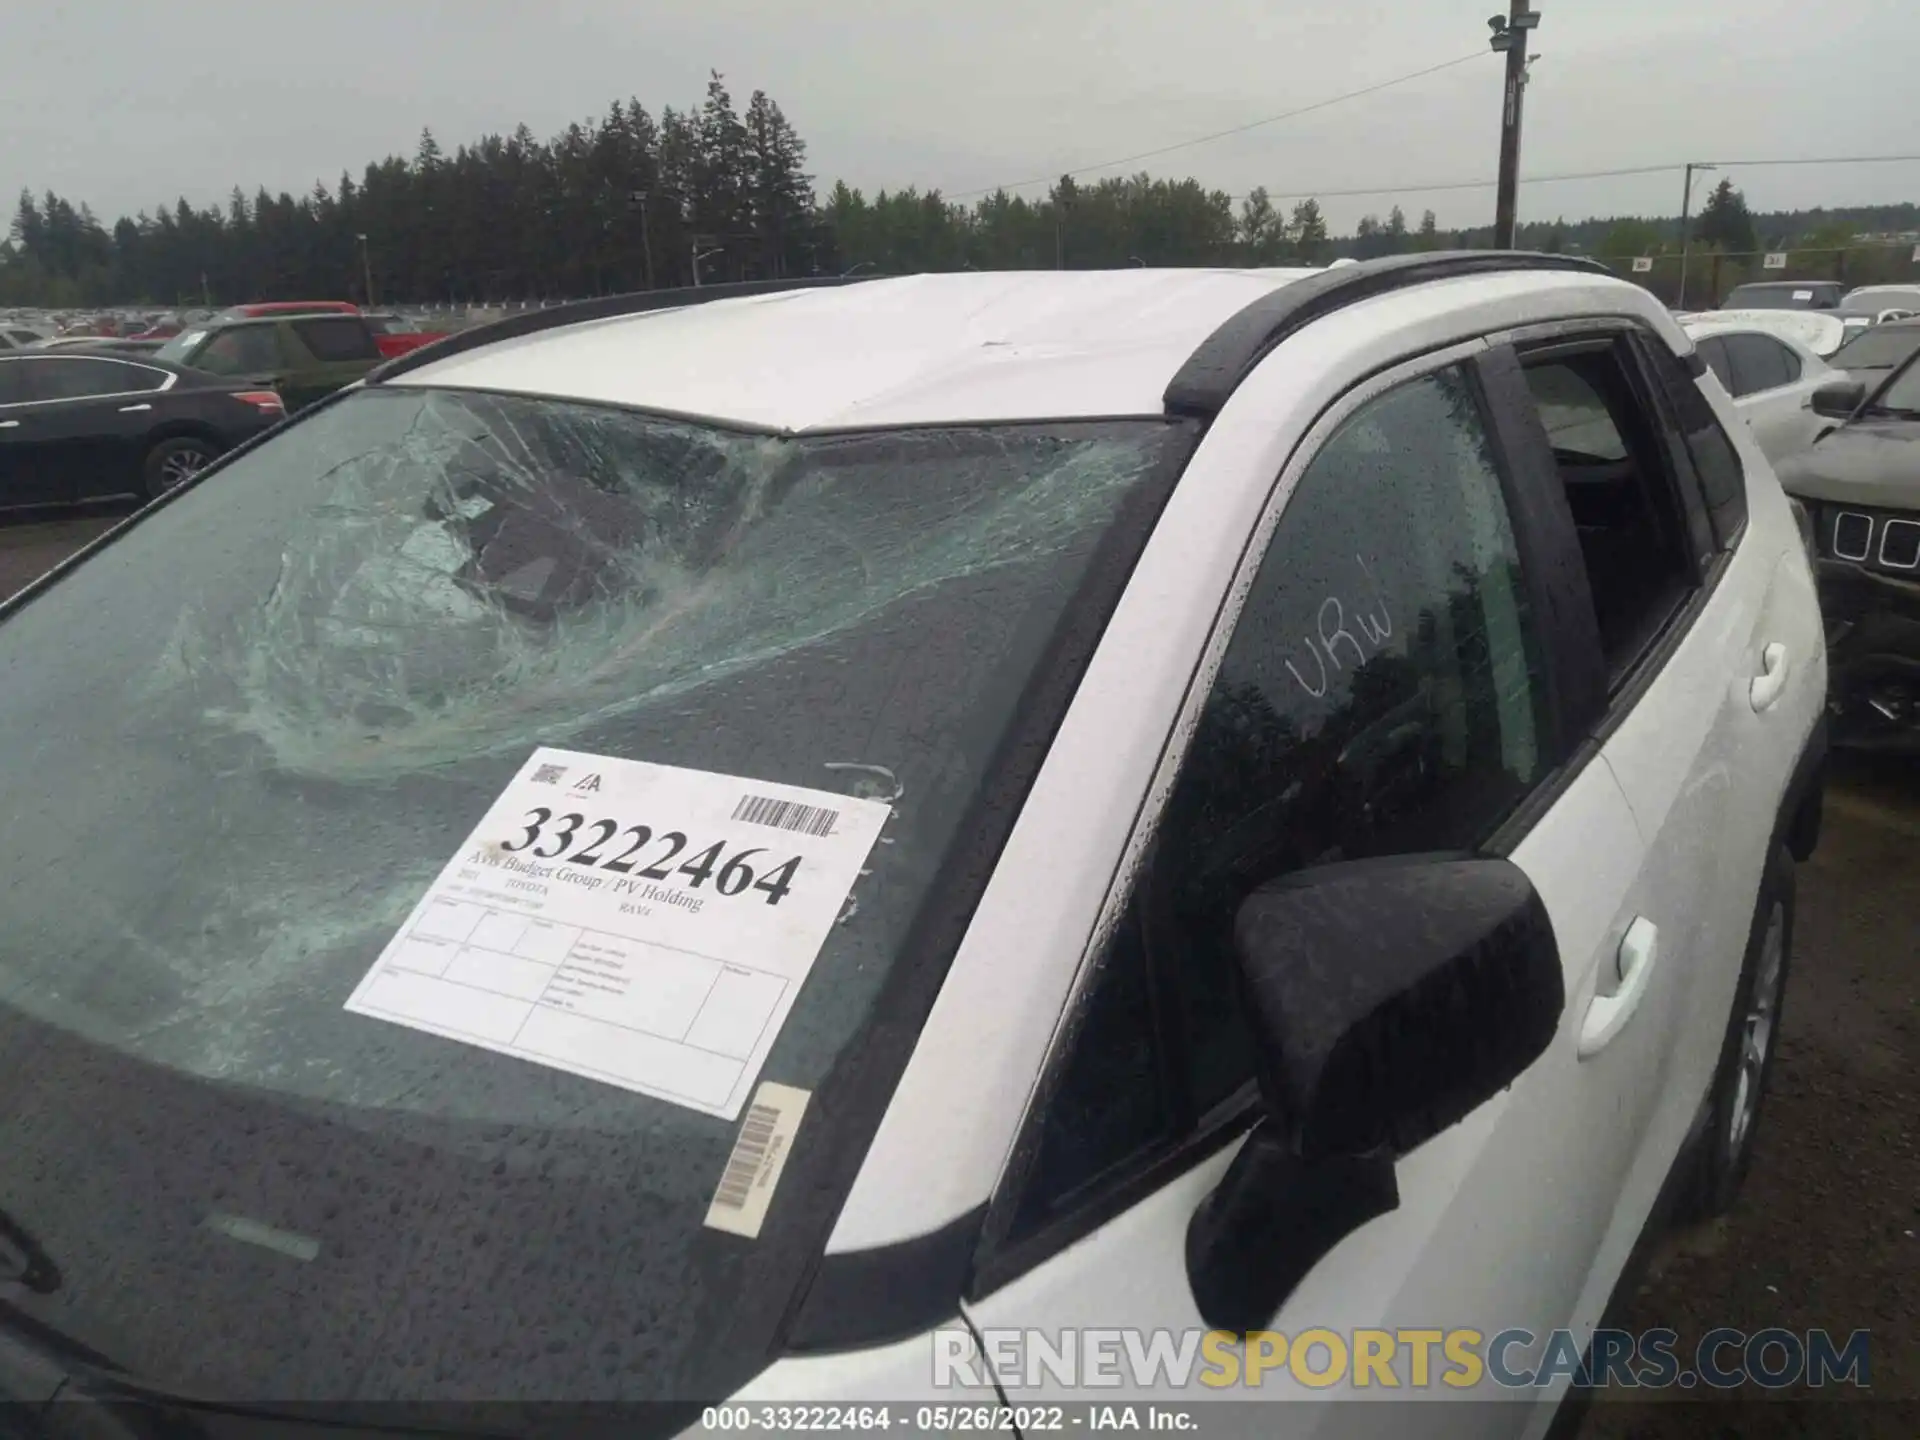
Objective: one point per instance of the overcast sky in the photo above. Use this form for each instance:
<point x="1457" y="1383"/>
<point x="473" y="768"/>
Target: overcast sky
<point x="125" y="104"/>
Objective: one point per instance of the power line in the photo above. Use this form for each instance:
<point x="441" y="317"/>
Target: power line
<point x="1223" y="134"/>
<point x="1828" y="160"/>
<point x="1581" y="175"/>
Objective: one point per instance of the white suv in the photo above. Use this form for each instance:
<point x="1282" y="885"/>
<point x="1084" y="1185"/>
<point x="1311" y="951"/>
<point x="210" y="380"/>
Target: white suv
<point x="703" y="847"/>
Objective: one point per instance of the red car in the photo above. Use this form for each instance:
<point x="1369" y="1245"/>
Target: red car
<point x="396" y="334"/>
<point x="264" y="308"/>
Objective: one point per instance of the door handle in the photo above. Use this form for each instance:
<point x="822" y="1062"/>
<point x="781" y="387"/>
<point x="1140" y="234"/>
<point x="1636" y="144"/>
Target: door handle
<point x="131" y="409"/>
<point x="1771" y="683"/>
<point x="1607" y="1015"/>
<point x="9" y="424"/>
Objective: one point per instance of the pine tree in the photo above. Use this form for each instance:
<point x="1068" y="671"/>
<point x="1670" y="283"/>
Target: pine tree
<point x="1726" y="222"/>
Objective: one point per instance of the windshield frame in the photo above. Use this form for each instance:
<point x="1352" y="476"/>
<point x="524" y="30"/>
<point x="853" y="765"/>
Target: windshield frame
<point x="921" y="1281"/>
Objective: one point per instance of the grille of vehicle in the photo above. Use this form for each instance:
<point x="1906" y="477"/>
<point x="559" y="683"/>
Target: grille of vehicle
<point x="1886" y="540"/>
<point x="1900" y="544"/>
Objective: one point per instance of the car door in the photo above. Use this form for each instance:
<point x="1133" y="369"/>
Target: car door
<point x="92" y="420"/>
<point x="246" y="350"/>
<point x="1765" y="372"/>
<point x="22" y="480"/>
<point x="336" y="351"/>
<point x="1412" y="671"/>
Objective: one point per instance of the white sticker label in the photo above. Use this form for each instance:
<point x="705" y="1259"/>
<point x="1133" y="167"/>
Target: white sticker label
<point x="639" y="924"/>
<point x="759" y="1155"/>
<point x="1803" y="295"/>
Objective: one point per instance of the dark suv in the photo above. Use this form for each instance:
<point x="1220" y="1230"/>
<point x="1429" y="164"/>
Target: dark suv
<point x="304" y="357"/>
<point x="1861" y="484"/>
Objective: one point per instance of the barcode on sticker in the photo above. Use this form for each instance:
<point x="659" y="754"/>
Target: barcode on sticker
<point x="759" y="1155"/>
<point x="749" y="1153"/>
<point x="786" y="814"/>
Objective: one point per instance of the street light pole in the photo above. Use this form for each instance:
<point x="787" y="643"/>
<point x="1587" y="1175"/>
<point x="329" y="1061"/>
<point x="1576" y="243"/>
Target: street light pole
<point x="1686" y="236"/>
<point x="639" y="198"/>
<point x="1510" y="35"/>
<point x="366" y="267"/>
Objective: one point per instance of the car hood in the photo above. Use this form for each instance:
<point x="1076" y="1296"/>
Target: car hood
<point x="1867" y="462"/>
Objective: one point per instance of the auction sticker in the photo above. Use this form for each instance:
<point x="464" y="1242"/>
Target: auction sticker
<point x="639" y="924"/>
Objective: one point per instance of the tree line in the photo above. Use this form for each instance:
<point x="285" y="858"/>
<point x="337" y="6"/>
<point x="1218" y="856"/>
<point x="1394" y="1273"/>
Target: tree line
<point x="631" y="201"/>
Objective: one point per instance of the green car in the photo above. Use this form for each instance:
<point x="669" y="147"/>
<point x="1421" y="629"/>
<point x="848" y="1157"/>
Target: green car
<point x="304" y="357"/>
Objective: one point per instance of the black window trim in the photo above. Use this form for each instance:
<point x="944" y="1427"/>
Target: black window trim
<point x="996" y="1262"/>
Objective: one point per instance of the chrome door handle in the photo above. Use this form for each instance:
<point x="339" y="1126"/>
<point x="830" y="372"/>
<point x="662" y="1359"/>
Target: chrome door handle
<point x="9" y="424"/>
<point x="130" y="409"/>
<point x="1768" y="686"/>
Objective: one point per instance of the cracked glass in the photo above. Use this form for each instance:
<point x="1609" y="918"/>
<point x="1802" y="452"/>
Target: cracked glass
<point x="236" y="744"/>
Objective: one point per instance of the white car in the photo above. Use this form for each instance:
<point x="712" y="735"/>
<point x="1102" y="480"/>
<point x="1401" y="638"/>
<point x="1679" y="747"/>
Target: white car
<point x="1896" y="302"/>
<point x="19" y="337"/>
<point x="1771" y="378"/>
<point x="716" y="853"/>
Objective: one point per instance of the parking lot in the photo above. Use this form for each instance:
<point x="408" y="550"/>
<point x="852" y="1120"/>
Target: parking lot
<point x="1825" y="1235"/>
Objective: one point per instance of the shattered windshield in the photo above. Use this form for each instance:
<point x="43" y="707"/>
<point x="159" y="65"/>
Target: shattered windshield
<point x="237" y="744"/>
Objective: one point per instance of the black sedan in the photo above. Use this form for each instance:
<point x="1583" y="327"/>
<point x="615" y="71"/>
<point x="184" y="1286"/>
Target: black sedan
<point x="79" y="425"/>
<point x="1861" y="485"/>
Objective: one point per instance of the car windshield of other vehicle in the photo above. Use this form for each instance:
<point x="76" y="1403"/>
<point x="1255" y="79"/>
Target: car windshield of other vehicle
<point x="1901" y="396"/>
<point x="1881" y="348"/>
<point x="237" y="748"/>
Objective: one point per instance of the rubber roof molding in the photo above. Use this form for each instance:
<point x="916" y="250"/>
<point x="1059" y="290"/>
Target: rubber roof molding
<point x="1226" y="357"/>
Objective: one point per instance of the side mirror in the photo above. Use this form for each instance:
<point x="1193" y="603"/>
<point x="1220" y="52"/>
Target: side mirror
<point x="1839" y="399"/>
<point x="1388" y="999"/>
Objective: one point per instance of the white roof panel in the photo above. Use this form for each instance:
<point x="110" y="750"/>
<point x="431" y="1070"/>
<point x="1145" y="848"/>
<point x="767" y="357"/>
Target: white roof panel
<point x="924" y="349"/>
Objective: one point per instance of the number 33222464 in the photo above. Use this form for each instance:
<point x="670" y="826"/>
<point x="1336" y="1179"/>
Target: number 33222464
<point x="573" y="839"/>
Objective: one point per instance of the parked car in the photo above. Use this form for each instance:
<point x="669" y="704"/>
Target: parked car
<point x="1262" y="839"/>
<point x="79" y="425"/>
<point x="19" y="337"/>
<point x="398" y="335"/>
<point x="1823" y="333"/>
<point x="1787" y="295"/>
<point x="265" y="309"/>
<point x="304" y="357"/>
<point x="1862" y="488"/>
<point x="1770" y="378"/>
<point x="163" y="328"/>
<point x="1881" y="299"/>
<point x="1869" y="356"/>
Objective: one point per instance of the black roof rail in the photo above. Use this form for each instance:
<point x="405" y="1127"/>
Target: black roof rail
<point x="605" y="307"/>
<point x="1226" y="357"/>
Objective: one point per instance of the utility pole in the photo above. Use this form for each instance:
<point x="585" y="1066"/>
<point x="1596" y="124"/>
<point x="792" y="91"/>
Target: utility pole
<point x="1510" y="38"/>
<point x="1686" y="235"/>
<point x="366" y="267"/>
<point x="639" y="197"/>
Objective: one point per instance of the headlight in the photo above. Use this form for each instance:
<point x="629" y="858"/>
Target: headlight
<point x="1803" y="517"/>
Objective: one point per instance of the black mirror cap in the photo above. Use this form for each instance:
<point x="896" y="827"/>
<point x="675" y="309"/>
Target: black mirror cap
<point x="1838" y="400"/>
<point x="1390" y="998"/>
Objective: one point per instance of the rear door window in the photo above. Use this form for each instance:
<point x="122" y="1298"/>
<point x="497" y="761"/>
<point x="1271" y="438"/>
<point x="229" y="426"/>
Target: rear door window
<point x="1759" y="363"/>
<point x="334" y="339"/>
<point x="14" y="389"/>
<point x="1714" y="352"/>
<point x="243" y="350"/>
<point x="81" y="378"/>
<point x="1626" y="508"/>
